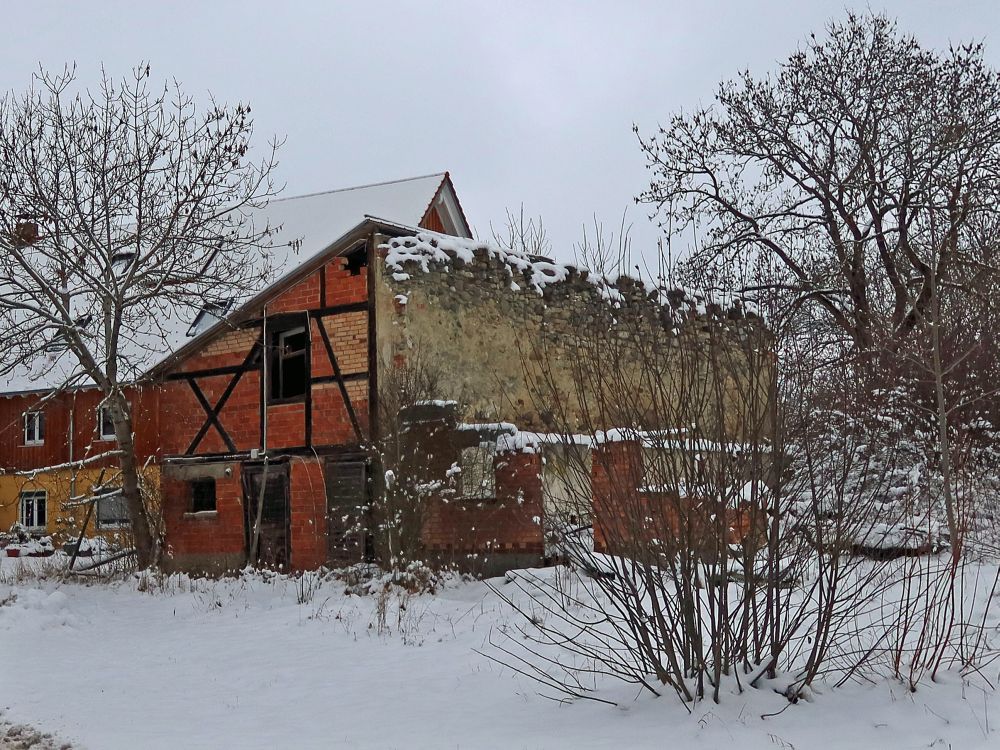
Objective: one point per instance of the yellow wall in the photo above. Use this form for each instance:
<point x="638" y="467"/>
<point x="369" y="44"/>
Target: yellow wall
<point x="61" y="523"/>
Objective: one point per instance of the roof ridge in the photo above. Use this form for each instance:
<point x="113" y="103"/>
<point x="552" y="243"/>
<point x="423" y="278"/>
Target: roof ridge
<point x="361" y="187"/>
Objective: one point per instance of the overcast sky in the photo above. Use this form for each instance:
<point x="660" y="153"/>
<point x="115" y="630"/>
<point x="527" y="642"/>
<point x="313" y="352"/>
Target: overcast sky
<point x="525" y="103"/>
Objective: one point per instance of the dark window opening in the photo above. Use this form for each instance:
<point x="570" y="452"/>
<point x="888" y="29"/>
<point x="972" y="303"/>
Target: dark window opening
<point x="202" y="495"/>
<point x="289" y="371"/>
<point x="357" y="260"/>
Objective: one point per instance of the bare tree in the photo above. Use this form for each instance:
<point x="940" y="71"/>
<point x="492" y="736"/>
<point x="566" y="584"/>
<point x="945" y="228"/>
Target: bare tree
<point x="123" y="209"/>
<point x="836" y="169"/>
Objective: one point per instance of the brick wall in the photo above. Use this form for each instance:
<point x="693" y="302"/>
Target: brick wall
<point x="307" y="501"/>
<point x="204" y="540"/>
<point x="510" y="524"/>
<point x="217" y="541"/>
<point x="328" y="287"/>
<point x="624" y="515"/>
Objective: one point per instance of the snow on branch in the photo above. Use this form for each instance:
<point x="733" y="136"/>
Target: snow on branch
<point x="90" y="460"/>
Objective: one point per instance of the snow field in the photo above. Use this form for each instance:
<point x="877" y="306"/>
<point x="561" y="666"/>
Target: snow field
<point x="261" y="661"/>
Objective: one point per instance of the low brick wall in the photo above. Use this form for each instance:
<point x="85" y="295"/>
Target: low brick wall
<point x="628" y="520"/>
<point x="216" y="540"/>
<point x="494" y="535"/>
<point x="212" y="541"/>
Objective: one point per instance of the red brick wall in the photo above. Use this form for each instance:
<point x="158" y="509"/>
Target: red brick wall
<point x="307" y="498"/>
<point x="221" y="535"/>
<point x="204" y="534"/>
<point x="623" y="514"/>
<point x="183" y="416"/>
<point x="616" y="470"/>
<point x="510" y="523"/>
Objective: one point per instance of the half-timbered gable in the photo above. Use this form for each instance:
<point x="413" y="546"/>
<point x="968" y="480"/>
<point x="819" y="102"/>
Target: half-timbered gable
<point x="286" y="388"/>
<point x="272" y="409"/>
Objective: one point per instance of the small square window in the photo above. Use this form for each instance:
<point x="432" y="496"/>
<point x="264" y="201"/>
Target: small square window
<point x="202" y="495"/>
<point x="34" y="428"/>
<point x="105" y="425"/>
<point x="33" y="509"/>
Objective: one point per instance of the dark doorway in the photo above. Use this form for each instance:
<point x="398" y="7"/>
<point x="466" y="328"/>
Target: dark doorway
<point x="347" y="503"/>
<point x="273" y="546"/>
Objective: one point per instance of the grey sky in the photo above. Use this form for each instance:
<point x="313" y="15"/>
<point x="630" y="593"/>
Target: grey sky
<point x="525" y="103"/>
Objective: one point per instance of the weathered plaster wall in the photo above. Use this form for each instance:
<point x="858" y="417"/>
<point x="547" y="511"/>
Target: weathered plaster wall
<point x="480" y="324"/>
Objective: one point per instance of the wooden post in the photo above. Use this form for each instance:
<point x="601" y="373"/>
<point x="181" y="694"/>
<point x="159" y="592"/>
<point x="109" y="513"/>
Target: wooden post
<point x="83" y="531"/>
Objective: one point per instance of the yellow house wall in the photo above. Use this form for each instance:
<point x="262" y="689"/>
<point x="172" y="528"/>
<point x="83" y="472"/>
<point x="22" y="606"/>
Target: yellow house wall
<point x="61" y="523"/>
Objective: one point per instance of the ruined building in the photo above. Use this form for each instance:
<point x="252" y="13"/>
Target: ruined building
<point x="375" y="398"/>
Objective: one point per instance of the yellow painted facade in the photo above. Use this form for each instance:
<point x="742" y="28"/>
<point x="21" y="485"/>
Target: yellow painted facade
<point x="61" y="523"/>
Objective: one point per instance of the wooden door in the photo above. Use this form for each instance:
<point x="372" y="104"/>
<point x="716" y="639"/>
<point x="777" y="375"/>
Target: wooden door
<point x="265" y="491"/>
<point x="347" y="502"/>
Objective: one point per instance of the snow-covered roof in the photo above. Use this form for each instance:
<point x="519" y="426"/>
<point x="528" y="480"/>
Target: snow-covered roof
<point x="310" y="225"/>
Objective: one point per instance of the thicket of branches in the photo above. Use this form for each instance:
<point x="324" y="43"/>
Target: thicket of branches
<point x="830" y="525"/>
<point x="755" y="526"/>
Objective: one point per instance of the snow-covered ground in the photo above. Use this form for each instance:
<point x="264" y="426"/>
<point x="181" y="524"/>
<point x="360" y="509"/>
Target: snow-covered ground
<point x="243" y="663"/>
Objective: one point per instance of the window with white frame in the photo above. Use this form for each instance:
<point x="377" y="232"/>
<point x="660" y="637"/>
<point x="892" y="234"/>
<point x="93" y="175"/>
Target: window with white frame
<point x="105" y="424"/>
<point x="34" y="428"/>
<point x="112" y="512"/>
<point x="33" y="509"/>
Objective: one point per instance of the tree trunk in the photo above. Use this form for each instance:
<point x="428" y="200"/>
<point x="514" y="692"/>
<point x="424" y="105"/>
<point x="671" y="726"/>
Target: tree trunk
<point x="146" y="541"/>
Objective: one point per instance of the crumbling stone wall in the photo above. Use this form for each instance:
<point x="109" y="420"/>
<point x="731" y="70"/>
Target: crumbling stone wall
<point x="485" y="319"/>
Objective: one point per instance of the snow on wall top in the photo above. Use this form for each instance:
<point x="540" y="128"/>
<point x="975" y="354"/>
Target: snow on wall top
<point x="505" y="437"/>
<point x="426" y="249"/>
<point x="675" y="439"/>
<point x="309" y="225"/>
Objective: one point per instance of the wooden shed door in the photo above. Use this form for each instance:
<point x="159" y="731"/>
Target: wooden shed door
<point x="273" y="548"/>
<point x="347" y="500"/>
